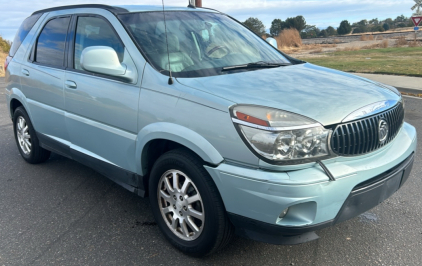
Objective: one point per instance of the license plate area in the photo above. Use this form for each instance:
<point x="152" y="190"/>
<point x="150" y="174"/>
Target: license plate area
<point x="364" y="199"/>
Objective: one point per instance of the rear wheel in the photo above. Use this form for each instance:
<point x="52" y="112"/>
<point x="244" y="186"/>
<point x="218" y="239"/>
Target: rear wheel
<point x="186" y="204"/>
<point x="26" y="138"/>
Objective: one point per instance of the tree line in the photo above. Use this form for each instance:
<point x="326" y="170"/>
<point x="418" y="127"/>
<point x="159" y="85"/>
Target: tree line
<point x="311" y="31"/>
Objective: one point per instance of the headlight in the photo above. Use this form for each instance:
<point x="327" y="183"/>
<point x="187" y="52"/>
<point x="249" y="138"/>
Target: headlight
<point x="281" y="137"/>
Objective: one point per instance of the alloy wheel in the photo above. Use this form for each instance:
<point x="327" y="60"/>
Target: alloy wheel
<point x="181" y="205"/>
<point x="24" y="138"/>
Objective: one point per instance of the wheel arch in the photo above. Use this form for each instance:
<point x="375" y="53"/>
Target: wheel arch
<point x="157" y="138"/>
<point x="17" y="98"/>
<point x="14" y="103"/>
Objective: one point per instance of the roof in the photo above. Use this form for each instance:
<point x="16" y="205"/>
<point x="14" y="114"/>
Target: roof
<point x="146" y="8"/>
<point x="112" y="9"/>
<point x="123" y="9"/>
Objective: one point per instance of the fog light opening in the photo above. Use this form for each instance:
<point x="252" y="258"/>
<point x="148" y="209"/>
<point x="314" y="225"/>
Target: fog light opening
<point x="283" y="213"/>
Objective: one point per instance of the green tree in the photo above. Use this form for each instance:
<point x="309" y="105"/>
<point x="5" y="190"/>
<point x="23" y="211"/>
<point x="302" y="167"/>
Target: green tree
<point x="357" y="30"/>
<point x="276" y="27"/>
<point x="363" y="22"/>
<point x="362" y="29"/>
<point x="401" y="18"/>
<point x="331" y="31"/>
<point x="298" y="23"/>
<point x="344" y="28"/>
<point x="323" y="34"/>
<point x="390" y="22"/>
<point x="379" y="28"/>
<point x="386" y="26"/>
<point x="374" y="21"/>
<point x="310" y="31"/>
<point x="255" y="25"/>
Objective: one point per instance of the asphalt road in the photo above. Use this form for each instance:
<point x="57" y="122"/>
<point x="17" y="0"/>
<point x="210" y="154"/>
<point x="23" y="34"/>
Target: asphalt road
<point x="63" y="213"/>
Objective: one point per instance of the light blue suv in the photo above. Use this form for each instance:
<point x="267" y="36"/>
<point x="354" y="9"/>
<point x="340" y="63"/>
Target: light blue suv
<point x="225" y="133"/>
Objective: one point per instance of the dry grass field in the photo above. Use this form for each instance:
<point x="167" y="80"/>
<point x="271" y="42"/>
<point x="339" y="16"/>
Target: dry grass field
<point x="396" y="30"/>
<point x="367" y="53"/>
<point x="403" y="60"/>
<point x="4" y="49"/>
<point x="289" y="41"/>
<point x="289" y="38"/>
<point x="2" y="60"/>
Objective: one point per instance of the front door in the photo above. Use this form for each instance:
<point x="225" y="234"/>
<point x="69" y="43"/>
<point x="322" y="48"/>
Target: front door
<point x="101" y="111"/>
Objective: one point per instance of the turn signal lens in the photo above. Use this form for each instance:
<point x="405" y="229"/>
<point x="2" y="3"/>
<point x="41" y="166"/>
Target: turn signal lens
<point x="270" y="117"/>
<point x="251" y="119"/>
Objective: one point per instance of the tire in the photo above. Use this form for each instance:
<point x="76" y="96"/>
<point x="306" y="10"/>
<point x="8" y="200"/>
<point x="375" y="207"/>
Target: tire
<point x="26" y="138"/>
<point x="215" y="229"/>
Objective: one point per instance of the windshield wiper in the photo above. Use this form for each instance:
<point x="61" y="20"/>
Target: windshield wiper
<point x="260" y="64"/>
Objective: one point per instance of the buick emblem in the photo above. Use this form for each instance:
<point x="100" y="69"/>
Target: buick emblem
<point x="382" y="130"/>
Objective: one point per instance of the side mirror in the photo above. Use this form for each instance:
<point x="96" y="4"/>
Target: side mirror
<point x="102" y="60"/>
<point x="272" y="41"/>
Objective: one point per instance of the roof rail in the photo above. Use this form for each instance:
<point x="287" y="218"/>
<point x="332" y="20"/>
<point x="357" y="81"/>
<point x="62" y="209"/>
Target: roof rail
<point x="112" y="9"/>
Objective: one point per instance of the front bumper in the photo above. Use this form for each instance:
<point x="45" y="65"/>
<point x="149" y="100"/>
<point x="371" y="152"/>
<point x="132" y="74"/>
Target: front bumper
<point x="363" y="197"/>
<point x="255" y="198"/>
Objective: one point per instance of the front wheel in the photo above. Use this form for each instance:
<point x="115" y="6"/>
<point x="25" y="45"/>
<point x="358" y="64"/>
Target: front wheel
<point x="186" y="204"/>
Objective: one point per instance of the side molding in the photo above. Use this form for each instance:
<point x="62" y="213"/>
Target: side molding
<point x="127" y="179"/>
<point x="178" y="134"/>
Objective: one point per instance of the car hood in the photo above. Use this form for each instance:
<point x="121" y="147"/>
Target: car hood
<point x="322" y="94"/>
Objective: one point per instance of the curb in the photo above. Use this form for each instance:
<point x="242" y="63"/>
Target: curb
<point x="410" y="92"/>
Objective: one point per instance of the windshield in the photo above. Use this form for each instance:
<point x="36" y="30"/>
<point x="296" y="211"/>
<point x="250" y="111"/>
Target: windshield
<point x="199" y="43"/>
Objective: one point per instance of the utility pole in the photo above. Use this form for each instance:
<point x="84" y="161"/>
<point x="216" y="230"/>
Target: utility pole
<point x="198" y="3"/>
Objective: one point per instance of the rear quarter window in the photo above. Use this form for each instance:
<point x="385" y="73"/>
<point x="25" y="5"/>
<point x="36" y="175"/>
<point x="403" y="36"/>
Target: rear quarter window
<point x="23" y="31"/>
<point x="51" y="42"/>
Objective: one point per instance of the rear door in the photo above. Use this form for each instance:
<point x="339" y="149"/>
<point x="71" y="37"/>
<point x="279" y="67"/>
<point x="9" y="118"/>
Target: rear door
<point x="101" y="110"/>
<point x="42" y="80"/>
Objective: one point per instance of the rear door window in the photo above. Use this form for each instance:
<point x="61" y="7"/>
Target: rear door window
<point x="51" y="43"/>
<point x="24" y="29"/>
<point x="95" y="31"/>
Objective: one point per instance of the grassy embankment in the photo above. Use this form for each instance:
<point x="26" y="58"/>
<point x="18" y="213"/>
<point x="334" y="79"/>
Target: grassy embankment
<point x="394" y="61"/>
<point x="4" y="49"/>
<point x="2" y="60"/>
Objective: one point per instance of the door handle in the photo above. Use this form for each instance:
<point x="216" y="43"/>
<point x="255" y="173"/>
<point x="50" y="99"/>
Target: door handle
<point x="70" y="84"/>
<point x="25" y="72"/>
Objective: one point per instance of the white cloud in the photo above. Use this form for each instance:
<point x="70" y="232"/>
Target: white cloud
<point x="322" y="13"/>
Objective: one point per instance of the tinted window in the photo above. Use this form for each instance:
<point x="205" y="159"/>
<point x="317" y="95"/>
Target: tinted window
<point x="24" y="29"/>
<point x="51" y="42"/>
<point x="95" y="31"/>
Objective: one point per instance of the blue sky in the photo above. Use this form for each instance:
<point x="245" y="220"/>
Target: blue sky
<point x="322" y="13"/>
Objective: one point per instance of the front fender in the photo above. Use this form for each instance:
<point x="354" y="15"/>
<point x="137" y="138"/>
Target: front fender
<point x="179" y="134"/>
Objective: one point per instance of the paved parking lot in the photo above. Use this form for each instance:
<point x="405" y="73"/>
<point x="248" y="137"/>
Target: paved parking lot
<point x="63" y="213"/>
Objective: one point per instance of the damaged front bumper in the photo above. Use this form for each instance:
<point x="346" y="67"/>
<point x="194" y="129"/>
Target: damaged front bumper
<point x="255" y="198"/>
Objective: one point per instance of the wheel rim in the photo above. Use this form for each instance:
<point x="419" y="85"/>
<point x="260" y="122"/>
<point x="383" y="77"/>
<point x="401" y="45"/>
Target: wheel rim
<point x="181" y="205"/>
<point x="24" y="138"/>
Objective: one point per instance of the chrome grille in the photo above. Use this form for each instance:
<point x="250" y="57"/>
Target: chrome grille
<point x="361" y="136"/>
